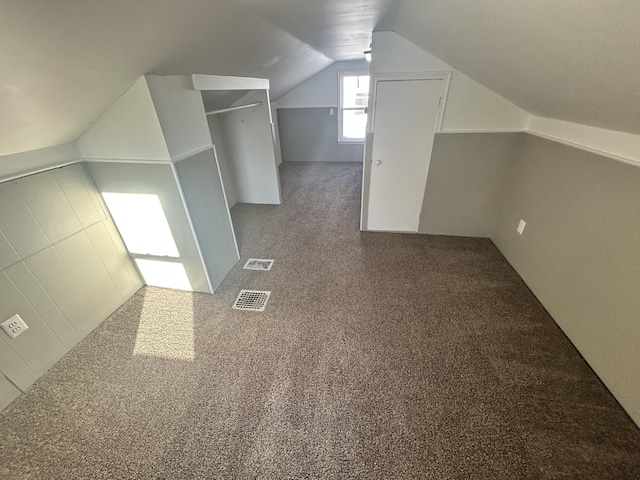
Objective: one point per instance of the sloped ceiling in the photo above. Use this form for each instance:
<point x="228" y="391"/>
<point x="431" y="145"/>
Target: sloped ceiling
<point x="574" y="60"/>
<point x="63" y="63"/>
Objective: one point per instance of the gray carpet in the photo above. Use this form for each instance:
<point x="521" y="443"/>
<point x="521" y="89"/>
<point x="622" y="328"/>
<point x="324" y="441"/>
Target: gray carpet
<point x="378" y="356"/>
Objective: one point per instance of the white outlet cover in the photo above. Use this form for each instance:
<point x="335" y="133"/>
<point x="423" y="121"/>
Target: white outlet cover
<point x="14" y="326"/>
<point x="521" y="226"/>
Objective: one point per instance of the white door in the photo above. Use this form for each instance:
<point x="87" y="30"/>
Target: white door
<point x="405" y="119"/>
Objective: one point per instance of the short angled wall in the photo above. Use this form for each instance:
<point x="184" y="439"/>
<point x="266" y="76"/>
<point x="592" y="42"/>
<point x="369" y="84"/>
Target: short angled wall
<point x="580" y="252"/>
<point x="159" y="181"/>
<point x="63" y="269"/>
<point x="204" y="194"/>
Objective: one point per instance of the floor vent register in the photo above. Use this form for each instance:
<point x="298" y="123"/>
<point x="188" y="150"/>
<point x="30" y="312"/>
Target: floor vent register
<point x="258" y="264"/>
<point x="252" y="300"/>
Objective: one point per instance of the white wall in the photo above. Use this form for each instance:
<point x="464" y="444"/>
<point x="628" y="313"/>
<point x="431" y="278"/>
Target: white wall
<point x="158" y="118"/>
<point x="251" y="152"/>
<point x="128" y="130"/>
<point x="215" y="129"/>
<point x="181" y="114"/>
<point x="321" y="90"/>
<point x="469" y="107"/>
<point x="63" y="268"/>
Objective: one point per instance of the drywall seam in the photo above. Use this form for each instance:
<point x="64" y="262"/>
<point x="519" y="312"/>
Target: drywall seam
<point x="9" y="380"/>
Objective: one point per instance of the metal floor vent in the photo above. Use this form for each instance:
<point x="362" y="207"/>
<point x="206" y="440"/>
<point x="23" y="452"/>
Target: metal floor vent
<point x="253" y="300"/>
<point x="258" y="264"/>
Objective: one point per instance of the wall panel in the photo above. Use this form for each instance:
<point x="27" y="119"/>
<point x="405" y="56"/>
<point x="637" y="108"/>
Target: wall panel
<point x="580" y="253"/>
<point x="52" y="274"/>
<point x="136" y="183"/>
<point x="311" y="135"/>
<point x="465" y="180"/>
<point x="204" y="194"/>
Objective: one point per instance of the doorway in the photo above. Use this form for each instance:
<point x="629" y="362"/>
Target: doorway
<point x="406" y="112"/>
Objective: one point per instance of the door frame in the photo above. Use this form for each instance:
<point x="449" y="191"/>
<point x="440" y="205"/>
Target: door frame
<point x="445" y="76"/>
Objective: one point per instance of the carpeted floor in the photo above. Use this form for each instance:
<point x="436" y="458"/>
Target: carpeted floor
<point x="379" y="356"/>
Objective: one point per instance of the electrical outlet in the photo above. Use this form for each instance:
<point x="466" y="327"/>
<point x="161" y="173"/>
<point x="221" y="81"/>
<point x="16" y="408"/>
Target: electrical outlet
<point x="521" y="226"/>
<point x="331" y="111"/>
<point x="14" y="326"/>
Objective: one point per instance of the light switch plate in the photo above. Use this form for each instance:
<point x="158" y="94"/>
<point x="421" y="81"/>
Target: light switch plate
<point x="14" y="326"/>
<point x="521" y="226"/>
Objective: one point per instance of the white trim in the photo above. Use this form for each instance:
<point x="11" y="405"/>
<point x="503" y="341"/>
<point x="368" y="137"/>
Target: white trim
<point x="247" y="97"/>
<point x="595" y="151"/>
<point x="226" y="202"/>
<point x="483" y="130"/>
<point x="232" y="109"/>
<point x="122" y="160"/>
<point x="275" y="147"/>
<point x="192" y="153"/>
<point x="28" y="173"/>
<point x="224" y="82"/>
<point x="445" y="76"/>
<point x="191" y="226"/>
<point x="554" y="138"/>
<point x="307" y="108"/>
<point x="350" y="73"/>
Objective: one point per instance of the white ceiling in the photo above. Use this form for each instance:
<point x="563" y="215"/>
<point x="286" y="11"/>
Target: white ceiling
<point x="574" y="60"/>
<point x="63" y="63"/>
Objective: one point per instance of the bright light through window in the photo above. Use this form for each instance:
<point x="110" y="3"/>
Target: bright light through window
<point x="163" y="274"/>
<point x="354" y="100"/>
<point x="142" y="223"/>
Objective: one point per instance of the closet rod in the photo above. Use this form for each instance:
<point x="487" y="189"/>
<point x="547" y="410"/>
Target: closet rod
<point x="231" y="109"/>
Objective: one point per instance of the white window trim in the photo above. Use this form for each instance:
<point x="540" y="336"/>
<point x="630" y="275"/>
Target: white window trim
<point x="349" y="73"/>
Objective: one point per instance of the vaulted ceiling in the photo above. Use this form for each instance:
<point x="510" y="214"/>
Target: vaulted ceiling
<point x="574" y="60"/>
<point x="63" y="63"/>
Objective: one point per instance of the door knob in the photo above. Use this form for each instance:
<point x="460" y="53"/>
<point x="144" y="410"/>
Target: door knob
<point x="378" y="162"/>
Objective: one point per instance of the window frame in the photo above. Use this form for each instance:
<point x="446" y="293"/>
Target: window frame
<point x="340" y="109"/>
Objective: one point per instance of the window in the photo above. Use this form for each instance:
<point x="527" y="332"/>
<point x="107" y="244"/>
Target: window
<point x="354" y="100"/>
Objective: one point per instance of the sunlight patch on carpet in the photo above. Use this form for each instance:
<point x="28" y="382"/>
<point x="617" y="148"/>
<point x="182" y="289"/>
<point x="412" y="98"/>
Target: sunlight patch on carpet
<point x="166" y="327"/>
